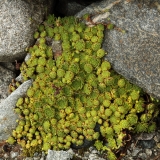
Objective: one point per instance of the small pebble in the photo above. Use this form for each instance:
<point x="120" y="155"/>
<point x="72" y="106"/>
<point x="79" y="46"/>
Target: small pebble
<point x="28" y="158"/>
<point x="158" y="145"/>
<point x="36" y="154"/>
<point x="36" y="158"/>
<point x="86" y="154"/>
<point x="136" y="151"/>
<point x="5" y="155"/>
<point x="157" y="137"/>
<point x="94" y="152"/>
<point x="148" y="152"/>
<point x="143" y="156"/>
<point x="154" y="152"/>
<point x="70" y="151"/>
<point x="43" y="154"/>
<point x="145" y="136"/>
<point x="91" y="148"/>
<point x="132" y="145"/>
<point x="13" y="154"/>
<point x="94" y="157"/>
<point x="146" y="143"/>
<point x="128" y="152"/>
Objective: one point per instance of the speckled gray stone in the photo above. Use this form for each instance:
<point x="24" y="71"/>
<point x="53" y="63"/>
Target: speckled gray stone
<point x="18" y="21"/>
<point x="8" y="65"/>
<point x="13" y="154"/>
<point x="146" y="143"/>
<point x="135" y="53"/>
<point x="60" y="155"/>
<point x="94" y="157"/>
<point x="74" y="8"/>
<point x="136" y="151"/>
<point x="145" y="136"/>
<point x="6" y="77"/>
<point x="143" y="156"/>
<point x="157" y="137"/>
<point x="7" y="116"/>
<point x="148" y="152"/>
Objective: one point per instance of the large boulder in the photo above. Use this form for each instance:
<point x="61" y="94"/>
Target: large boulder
<point x="18" y="21"/>
<point x="6" y="76"/>
<point x="74" y="7"/>
<point x="135" y="52"/>
<point x="7" y="116"/>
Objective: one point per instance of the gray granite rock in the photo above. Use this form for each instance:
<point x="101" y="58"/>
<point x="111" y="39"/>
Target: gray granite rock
<point x="136" y="151"/>
<point x="18" y="21"/>
<point x="148" y="152"/>
<point x="13" y="154"/>
<point x="8" y="65"/>
<point x="157" y="137"/>
<point x="135" y="53"/>
<point x="93" y="156"/>
<point x="146" y="143"/>
<point x="145" y="136"/>
<point x="60" y="155"/>
<point x="74" y="8"/>
<point x="143" y="156"/>
<point x="7" y="116"/>
<point x="6" y="77"/>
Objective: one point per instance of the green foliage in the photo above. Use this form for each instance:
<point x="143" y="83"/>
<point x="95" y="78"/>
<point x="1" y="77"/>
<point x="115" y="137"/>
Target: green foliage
<point x="75" y="91"/>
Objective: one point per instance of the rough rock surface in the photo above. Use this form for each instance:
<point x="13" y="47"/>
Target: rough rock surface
<point x="7" y="116"/>
<point x="8" y="65"/>
<point x="59" y="155"/>
<point x="6" y="77"/>
<point x="135" y="53"/>
<point x="18" y="21"/>
<point x="74" y="8"/>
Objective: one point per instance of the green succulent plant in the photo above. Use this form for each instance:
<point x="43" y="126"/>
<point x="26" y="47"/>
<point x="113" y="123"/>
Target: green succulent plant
<point x="75" y="91"/>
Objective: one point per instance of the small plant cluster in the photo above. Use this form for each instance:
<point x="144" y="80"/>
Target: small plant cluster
<point x="13" y="85"/>
<point x="75" y="91"/>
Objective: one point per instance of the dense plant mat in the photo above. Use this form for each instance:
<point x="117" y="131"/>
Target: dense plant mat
<point x="75" y="91"/>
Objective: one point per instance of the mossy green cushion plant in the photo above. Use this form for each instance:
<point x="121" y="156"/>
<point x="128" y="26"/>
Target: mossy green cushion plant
<point x="75" y="91"/>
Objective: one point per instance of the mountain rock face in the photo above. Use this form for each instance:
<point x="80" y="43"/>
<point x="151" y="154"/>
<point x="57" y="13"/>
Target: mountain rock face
<point x="133" y="45"/>
<point x="18" y="21"/>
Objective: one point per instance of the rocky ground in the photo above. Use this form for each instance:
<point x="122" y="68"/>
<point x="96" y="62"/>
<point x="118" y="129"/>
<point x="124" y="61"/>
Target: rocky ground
<point x="139" y="147"/>
<point x="142" y="146"/>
